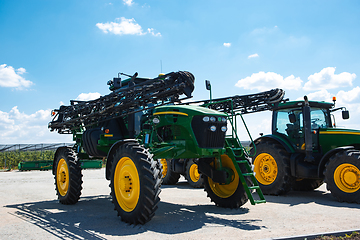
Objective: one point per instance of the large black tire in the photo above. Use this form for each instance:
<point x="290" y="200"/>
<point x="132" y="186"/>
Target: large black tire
<point x="68" y="177"/>
<point x="192" y="175"/>
<point x="342" y="176"/>
<point x="230" y="195"/>
<point x="135" y="183"/>
<point x="272" y="168"/>
<point x="307" y="184"/>
<point x="169" y="177"/>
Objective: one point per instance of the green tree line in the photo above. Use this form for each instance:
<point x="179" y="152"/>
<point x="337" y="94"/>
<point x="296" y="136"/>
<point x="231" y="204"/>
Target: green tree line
<point x="11" y="159"/>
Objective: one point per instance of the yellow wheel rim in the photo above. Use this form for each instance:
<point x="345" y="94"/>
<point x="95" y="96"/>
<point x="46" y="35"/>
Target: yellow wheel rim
<point x="62" y="180"/>
<point x="265" y="168"/>
<point x="164" y="167"/>
<point x="222" y="190"/>
<point x="347" y="178"/>
<point x="194" y="172"/>
<point x="126" y="184"/>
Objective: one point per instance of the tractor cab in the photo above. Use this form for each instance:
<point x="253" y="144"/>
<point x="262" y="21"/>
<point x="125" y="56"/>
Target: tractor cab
<point x="288" y="122"/>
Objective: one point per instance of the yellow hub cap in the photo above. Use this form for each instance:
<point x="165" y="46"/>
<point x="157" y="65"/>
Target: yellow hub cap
<point x="347" y="178"/>
<point x="126" y="184"/>
<point x="222" y="190"/>
<point x="164" y="166"/>
<point x="194" y="173"/>
<point x="62" y="180"/>
<point x="266" y="169"/>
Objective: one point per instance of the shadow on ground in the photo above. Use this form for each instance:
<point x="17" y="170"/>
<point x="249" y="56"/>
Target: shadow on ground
<point x="92" y="217"/>
<point x="294" y="198"/>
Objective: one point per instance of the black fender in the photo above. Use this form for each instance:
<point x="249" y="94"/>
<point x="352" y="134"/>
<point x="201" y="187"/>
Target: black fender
<point x="275" y="138"/>
<point x="55" y="155"/>
<point x="111" y="154"/>
<point x="327" y="156"/>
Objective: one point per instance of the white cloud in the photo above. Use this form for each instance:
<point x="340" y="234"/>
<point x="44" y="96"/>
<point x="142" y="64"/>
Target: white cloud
<point x="88" y="96"/>
<point x="327" y="79"/>
<point x="265" y="81"/>
<point x="253" y="56"/>
<point x="124" y="26"/>
<point x="227" y="44"/>
<point x="349" y="96"/>
<point x="9" y="77"/>
<point x="19" y="127"/>
<point x="128" y="2"/>
<point x="322" y="95"/>
<point x="151" y="31"/>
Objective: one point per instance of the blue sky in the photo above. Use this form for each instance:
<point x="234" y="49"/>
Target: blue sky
<point x="56" y="50"/>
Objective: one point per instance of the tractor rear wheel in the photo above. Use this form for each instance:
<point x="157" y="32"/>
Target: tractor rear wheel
<point x="307" y="184"/>
<point x="272" y="168"/>
<point x="135" y="183"/>
<point x="230" y="195"/>
<point x="169" y="177"/>
<point x="192" y="174"/>
<point x="342" y="176"/>
<point x="68" y="177"/>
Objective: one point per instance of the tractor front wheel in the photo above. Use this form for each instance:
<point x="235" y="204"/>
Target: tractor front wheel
<point x="230" y="195"/>
<point x="272" y="168"/>
<point x="192" y="174"/>
<point x="169" y="177"/>
<point x="135" y="183"/>
<point x="342" y="176"/>
<point x="68" y="177"/>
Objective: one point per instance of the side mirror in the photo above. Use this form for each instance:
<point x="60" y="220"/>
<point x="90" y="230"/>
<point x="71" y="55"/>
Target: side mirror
<point x="292" y="117"/>
<point x="345" y="114"/>
<point x="208" y="85"/>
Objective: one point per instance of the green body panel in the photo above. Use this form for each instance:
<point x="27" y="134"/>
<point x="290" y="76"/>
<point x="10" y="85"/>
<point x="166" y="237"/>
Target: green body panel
<point x="47" y="165"/>
<point x="175" y="122"/>
<point x="331" y="138"/>
<point x="35" y="165"/>
<point x="293" y="104"/>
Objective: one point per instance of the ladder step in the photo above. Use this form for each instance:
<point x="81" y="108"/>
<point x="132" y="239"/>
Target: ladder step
<point x="260" y="201"/>
<point x="254" y="187"/>
<point x="242" y="161"/>
<point x="248" y="174"/>
<point x="236" y="149"/>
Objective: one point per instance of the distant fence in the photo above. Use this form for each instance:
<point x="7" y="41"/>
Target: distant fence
<point x="12" y="154"/>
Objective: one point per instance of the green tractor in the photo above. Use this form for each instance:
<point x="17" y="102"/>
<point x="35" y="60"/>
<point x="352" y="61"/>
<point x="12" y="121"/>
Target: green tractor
<point x="143" y="120"/>
<point x="306" y="149"/>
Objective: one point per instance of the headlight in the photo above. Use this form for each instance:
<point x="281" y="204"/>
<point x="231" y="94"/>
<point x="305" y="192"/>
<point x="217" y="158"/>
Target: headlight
<point x="206" y="119"/>
<point x="213" y="128"/>
<point x="156" y="120"/>
<point x="223" y="128"/>
<point x="212" y="119"/>
<point x="223" y="119"/>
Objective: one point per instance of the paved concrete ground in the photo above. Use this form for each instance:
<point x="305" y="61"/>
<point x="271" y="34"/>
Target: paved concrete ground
<point x="29" y="210"/>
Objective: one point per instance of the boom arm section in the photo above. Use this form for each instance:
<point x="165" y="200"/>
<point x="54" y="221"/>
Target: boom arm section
<point x="137" y="95"/>
<point x="246" y="103"/>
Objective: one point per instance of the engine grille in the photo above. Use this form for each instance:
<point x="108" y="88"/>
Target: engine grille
<point x="204" y="136"/>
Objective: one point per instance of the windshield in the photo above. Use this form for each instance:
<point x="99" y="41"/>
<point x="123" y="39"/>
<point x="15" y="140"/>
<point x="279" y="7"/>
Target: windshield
<point x="319" y="119"/>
